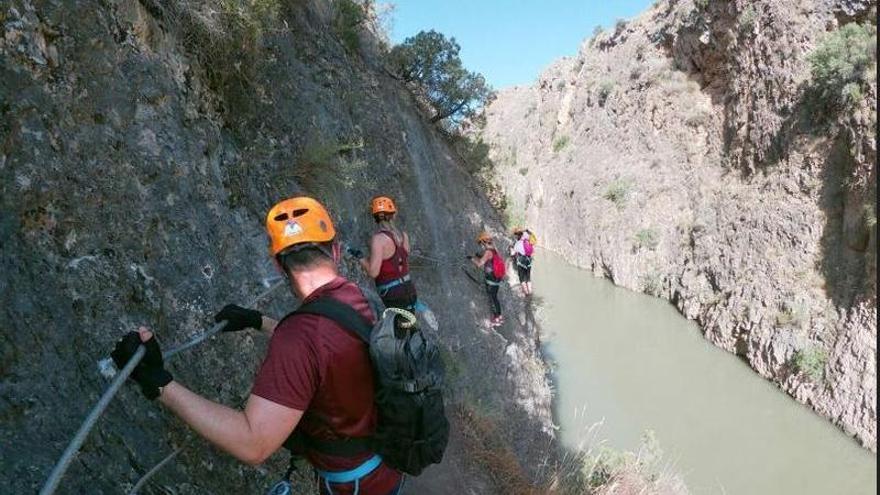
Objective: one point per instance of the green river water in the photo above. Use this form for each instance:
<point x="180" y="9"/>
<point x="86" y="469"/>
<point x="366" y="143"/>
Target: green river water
<point x="635" y="364"/>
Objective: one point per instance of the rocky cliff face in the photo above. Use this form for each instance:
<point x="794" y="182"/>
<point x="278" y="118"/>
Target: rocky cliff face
<point x="141" y="143"/>
<point x="683" y="154"/>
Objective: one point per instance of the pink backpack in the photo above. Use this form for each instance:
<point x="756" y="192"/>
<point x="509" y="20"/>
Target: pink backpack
<point x="527" y="247"/>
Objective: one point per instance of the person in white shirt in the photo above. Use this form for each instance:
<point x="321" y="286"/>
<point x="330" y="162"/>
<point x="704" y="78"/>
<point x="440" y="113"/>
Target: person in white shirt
<point x="522" y="252"/>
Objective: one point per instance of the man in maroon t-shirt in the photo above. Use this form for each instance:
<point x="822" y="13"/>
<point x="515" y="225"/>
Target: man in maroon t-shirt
<point x="316" y="377"/>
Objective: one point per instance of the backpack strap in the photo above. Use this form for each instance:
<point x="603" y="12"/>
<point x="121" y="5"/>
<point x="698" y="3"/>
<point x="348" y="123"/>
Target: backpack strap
<point x="341" y="313"/>
<point x="354" y="323"/>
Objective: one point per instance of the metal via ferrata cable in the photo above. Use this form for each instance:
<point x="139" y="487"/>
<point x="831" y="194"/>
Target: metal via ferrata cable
<point x="79" y="438"/>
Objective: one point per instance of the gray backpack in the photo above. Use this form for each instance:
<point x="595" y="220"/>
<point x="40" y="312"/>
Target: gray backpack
<point x="412" y="431"/>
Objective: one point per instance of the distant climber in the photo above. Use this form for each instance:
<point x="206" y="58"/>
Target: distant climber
<point x="388" y="262"/>
<point x="316" y="378"/>
<point x="492" y="263"/>
<point x="522" y="253"/>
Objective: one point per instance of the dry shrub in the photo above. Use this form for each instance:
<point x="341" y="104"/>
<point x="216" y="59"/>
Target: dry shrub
<point x="484" y="445"/>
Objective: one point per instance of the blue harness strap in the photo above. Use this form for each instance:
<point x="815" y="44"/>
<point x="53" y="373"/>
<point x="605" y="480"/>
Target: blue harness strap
<point x="353" y="474"/>
<point x="393" y="283"/>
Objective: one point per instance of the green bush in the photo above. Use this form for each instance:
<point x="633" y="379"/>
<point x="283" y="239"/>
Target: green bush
<point x="646" y="238"/>
<point x="523" y="171"/>
<point x="791" y="316"/>
<point x="843" y="62"/>
<point x="348" y="16"/>
<point x="811" y="362"/>
<point x="620" y="25"/>
<point x="432" y="63"/>
<point x="748" y="17"/>
<point x="605" y="90"/>
<point x="513" y="214"/>
<point x="559" y="143"/>
<point x="652" y="283"/>
<point x="870" y="215"/>
<point x="225" y="36"/>
<point x="618" y="192"/>
<point x="474" y="152"/>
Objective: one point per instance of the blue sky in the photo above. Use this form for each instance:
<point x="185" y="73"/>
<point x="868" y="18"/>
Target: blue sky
<point x="511" y="41"/>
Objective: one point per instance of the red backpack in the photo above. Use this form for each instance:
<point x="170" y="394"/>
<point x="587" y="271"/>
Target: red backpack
<point x="498" y="268"/>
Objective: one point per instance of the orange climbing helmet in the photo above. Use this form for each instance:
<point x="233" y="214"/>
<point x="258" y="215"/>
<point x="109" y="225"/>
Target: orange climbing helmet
<point x="484" y="237"/>
<point x="297" y="221"/>
<point x="382" y="204"/>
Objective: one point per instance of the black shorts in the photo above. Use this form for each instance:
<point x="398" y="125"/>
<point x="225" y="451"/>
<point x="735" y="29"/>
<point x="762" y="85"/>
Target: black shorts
<point x="524" y="274"/>
<point x="403" y="296"/>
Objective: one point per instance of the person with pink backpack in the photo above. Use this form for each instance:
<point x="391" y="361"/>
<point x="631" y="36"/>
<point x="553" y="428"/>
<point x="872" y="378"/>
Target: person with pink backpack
<point x="522" y="252"/>
<point x="494" y="270"/>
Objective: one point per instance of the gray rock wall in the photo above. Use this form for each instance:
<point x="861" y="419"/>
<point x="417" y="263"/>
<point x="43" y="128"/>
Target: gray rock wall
<point x="677" y="155"/>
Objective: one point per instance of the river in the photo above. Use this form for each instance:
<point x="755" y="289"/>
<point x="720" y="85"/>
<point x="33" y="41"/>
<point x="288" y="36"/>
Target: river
<point x="633" y="363"/>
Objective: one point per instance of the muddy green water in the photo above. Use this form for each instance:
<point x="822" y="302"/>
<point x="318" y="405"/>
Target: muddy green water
<point x="635" y="364"/>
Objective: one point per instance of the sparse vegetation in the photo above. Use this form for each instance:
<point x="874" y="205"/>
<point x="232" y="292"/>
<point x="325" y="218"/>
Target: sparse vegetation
<point x="652" y="283"/>
<point x="513" y="215"/>
<point x="620" y="25"/>
<point x="677" y="82"/>
<point x="870" y="212"/>
<point x="747" y="18"/>
<point x="474" y="152"/>
<point x="453" y="366"/>
<point x="646" y="238"/>
<point x="811" y="362"/>
<point x="225" y="36"/>
<point x="843" y="63"/>
<point x="701" y="4"/>
<point x="348" y="16"/>
<point x="629" y="472"/>
<point x="791" y="315"/>
<point x="697" y="116"/>
<point x="431" y="64"/>
<point x="326" y="164"/>
<point x="523" y="171"/>
<point x="605" y="89"/>
<point x="560" y="143"/>
<point x="636" y="72"/>
<point x="618" y="192"/>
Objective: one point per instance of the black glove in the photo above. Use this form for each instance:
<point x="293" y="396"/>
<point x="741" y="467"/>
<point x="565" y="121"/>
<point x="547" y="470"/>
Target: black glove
<point x="468" y="257"/>
<point x="150" y="373"/>
<point x="238" y="318"/>
<point x="357" y="253"/>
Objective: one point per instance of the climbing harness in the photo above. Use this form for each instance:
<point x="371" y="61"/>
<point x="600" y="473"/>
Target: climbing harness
<point x="384" y="288"/>
<point x="284" y="487"/>
<point x="350" y="476"/>
<point x="79" y="438"/>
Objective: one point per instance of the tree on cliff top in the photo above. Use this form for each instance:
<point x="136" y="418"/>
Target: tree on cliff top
<point x="431" y="62"/>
